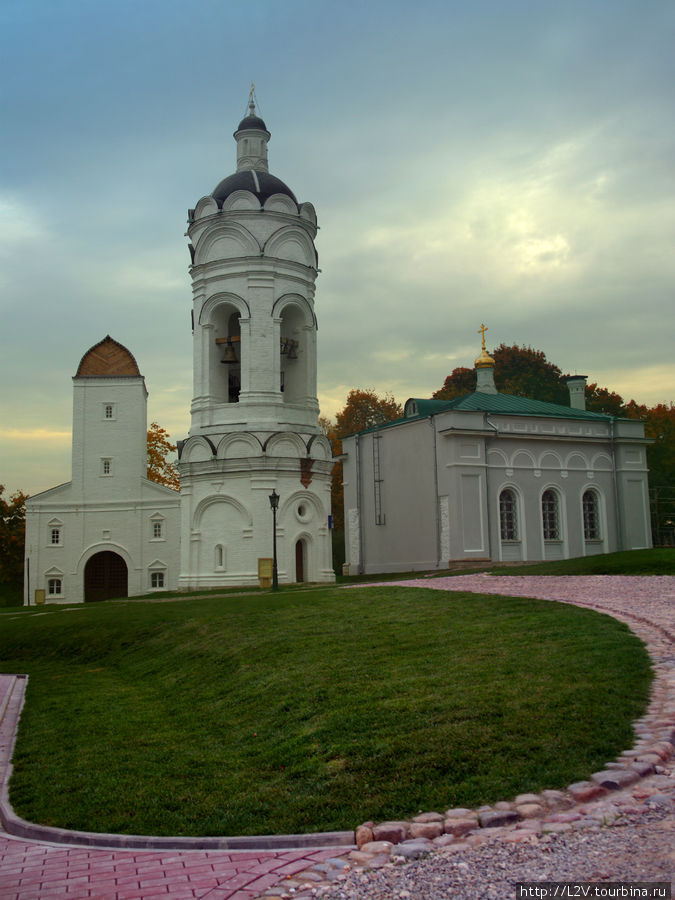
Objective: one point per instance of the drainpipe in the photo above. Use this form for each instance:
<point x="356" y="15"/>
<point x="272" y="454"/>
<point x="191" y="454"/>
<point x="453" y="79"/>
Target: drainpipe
<point x="488" y="499"/>
<point x="615" y="479"/>
<point x="432" y="423"/>
<point x="357" y="455"/>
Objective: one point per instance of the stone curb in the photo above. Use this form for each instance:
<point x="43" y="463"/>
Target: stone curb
<point x="18" y="827"/>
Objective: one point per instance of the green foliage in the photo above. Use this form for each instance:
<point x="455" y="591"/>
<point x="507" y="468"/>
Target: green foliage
<point x="12" y="536"/>
<point x="311" y="710"/>
<point x="11" y="593"/>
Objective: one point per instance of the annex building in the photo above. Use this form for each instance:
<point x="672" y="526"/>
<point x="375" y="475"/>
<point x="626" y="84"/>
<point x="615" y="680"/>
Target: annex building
<point x="490" y="476"/>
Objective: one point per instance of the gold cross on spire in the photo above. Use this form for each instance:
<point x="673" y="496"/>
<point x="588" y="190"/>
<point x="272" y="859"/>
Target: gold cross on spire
<point x="251" y="100"/>
<point x="483" y="328"/>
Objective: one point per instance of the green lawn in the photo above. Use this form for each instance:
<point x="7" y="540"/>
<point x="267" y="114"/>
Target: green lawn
<point x="657" y="561"/>
<point x="310" y="710"/>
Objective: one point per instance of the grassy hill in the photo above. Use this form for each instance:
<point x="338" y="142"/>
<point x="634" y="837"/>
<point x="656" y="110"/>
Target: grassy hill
<point x="310" y="710"/>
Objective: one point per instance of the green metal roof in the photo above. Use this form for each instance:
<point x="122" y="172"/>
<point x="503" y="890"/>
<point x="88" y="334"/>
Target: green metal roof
<point x="502" y="404"/>
<point x="508" y="404"/>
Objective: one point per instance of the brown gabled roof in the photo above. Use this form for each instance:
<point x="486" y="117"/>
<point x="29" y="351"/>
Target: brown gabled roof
<point x="106" y="359"/>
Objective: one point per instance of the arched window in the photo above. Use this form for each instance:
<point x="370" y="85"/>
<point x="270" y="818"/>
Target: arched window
<point x="591" y="511"/>
<point x="550" y="515"/>
<point x="54" y="587"/>
<point x="220" y="558"/>
<point x="508" y="515"/>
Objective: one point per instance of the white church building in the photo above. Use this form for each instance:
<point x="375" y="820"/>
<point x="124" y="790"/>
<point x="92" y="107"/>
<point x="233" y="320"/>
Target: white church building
<point x="485" y="476"/>
<point x="254" y="420"/>
<point x="110" y="532"/>
<point x="493" y="477"/>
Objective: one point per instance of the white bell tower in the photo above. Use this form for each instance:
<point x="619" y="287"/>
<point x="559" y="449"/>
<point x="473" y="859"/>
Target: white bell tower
<point x="254" y="410"/>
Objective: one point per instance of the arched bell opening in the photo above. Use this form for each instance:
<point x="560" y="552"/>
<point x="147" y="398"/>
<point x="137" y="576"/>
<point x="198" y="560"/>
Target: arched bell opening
<point x="105" y="577"/>
<point x="293" y="353"/>
<point x="226" y="369"/>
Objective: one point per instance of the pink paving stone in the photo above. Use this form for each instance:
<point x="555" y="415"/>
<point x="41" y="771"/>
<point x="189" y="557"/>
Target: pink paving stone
<point x="240" y="880"/>
<point x="104" y="885"/>
<point x="291" y="868"/>
<point x="203" y="884"/>
<point x="128" y="895"/>
<point x="157" y="891"/>
<point x="174" y="869"/>
<point x="72" y="883"/>
<point x="204" y="869"/>
<point x="240" y="895"/>
<point x="158" y="879"/>
<point x="262" y="883"/>
<point x="179" y="894"/>
<point x="262" y="866"/>
<point x="128" y="884"/>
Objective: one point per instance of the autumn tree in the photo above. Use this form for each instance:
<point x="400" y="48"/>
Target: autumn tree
<point x="12" y="536"/>
<point x="159" y="468"/>
<point x="364" y="409"/>
<point x="601" y="400"/>
<point x="522" y="371"/>
<point x="460" y="381"/>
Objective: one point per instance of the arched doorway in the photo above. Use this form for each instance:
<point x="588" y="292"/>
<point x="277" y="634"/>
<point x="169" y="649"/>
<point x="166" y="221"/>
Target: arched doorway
<point x="300" y="561"/>
<point x="105" y="577"/>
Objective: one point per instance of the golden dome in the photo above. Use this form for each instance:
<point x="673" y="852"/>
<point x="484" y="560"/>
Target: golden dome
<point x="484" y="360"/>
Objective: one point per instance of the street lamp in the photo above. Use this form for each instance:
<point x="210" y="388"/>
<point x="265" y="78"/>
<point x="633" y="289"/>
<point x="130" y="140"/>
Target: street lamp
<point x="274" y="503"/>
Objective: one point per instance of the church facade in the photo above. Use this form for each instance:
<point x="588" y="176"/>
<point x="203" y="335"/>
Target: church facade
<point x="490" y="476"/>
<point x="254" y="432"/>
<point x="109" y="532"/>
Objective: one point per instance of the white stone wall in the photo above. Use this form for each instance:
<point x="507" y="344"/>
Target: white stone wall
<point x="253" y="277"/>
<point x="101" y="510"/>
<point x="227" y="517"/>
<point x="451" y="500"/>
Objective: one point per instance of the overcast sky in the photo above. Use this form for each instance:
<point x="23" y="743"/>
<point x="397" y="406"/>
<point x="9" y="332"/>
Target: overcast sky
<point x="503" y="162"/>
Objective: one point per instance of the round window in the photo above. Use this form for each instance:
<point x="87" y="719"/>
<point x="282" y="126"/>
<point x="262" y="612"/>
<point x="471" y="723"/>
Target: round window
<point x="303" y="511"/>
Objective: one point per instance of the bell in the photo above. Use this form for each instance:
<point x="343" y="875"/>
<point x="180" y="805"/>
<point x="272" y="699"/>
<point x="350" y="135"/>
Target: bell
<point x="230" y="356"/>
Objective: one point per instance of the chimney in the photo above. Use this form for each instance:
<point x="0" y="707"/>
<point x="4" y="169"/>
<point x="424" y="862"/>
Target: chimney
<point x="576" y="385"/>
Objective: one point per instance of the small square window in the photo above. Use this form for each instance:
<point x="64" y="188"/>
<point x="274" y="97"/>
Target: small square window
<point x="157" y="579"/>
<point x="55" y="536"/>
<point x="54" y="587"/>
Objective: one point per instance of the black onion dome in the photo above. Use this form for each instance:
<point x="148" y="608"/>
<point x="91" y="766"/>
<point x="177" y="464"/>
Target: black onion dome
<point x="262" y="184"/>
<point x="251" y="122"/>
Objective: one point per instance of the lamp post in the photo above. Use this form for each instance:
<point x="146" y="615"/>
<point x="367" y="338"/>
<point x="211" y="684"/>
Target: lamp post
<point x="274" y="503"/>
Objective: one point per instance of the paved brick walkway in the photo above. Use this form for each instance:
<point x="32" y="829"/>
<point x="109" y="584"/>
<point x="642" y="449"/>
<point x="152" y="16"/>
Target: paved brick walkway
<point x="34" y="870"/>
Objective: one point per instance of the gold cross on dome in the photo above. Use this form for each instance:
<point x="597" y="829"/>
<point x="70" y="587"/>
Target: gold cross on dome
<point x="483" y="328"/>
